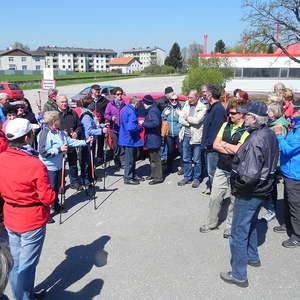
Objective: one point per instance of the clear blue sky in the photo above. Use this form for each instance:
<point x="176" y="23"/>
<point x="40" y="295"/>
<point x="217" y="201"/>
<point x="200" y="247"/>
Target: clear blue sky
<point x="120" y="24"/>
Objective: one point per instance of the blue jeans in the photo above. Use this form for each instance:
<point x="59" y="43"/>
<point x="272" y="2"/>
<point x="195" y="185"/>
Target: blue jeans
<point x="243" y="241"/>
<point x="191" y="154"/>
<point x="55" y="180"/>
<point x="212" y="158"/>
<point x="25" y="249"/>
<point x="163" y="149"/>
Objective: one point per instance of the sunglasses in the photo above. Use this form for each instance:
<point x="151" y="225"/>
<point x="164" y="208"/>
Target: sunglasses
<point x="119" y="94"/>
<point x="232" y="113"/>
<point x="173" y="100"/>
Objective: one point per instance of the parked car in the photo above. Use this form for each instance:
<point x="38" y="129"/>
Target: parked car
<point x="13" y="91"/>
<point x="106" y="90"/>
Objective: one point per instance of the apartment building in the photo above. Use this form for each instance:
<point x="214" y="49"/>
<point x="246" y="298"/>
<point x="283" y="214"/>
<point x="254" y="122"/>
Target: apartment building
<point x="147" y="56"/>
<point x="21" y="60"/>
<point x="78" y="59"/>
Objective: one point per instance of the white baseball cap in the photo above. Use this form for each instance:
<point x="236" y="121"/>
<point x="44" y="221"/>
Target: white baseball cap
<point x="17" y="128"/>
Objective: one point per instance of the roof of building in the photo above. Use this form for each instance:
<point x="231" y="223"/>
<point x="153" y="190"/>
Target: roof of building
<point x="147" y="49"/>
<point x="26" y="52"/>
<point x="293" y="50"/>
<point x="73" y="49"/>
<point x="123" y="61"/>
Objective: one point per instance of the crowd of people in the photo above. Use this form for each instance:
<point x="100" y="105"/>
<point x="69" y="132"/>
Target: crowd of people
<point x="243" y="147"/>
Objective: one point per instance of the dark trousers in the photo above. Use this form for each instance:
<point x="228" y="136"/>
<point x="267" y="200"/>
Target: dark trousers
<point x="174" y="146"/>
<point x="118" y="151"/>
<point x="86" y="166"/>
<point x="155" y="164"/>
<point x="292" y="192"/>
<point x="100" y="146"/>
<point x="55" y="181"/>
<point x="73" y="169"/>
<point x="130" y="160"/>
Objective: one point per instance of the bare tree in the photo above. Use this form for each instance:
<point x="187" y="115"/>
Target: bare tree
<point x="20" y="46"/>
<point x="263" y="17"/>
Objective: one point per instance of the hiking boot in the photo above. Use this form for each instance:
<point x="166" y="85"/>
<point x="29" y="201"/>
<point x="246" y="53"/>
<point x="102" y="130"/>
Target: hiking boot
<point x="196" y="183"/>
<point x="269" y="216"/>
<point x="183" y="182"/>
<point x="206" y="191"/>
<point x="280" y="229"/>
<point x="291" y="243"/>
<point x="156" y="181"/>
<point x="227" y="277"/>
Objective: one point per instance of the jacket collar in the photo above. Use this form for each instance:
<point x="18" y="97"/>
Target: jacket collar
<point x="255" y="127"/>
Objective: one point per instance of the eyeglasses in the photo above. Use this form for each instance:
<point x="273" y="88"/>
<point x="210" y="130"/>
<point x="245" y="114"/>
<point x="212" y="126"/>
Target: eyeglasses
<point x="173" y="100"/>
<point x="119" y="94"/>
<point x="233" y="113"/>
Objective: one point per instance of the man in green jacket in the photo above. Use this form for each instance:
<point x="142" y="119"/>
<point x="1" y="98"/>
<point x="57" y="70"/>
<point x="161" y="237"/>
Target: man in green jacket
<point x="51" y="105"/>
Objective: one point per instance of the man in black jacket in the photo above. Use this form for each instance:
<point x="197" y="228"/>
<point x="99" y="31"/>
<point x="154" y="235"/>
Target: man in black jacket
<point x="70" y="123"/>
<point x="252" y="178"/>
<point x="98" y="107"/>
<point x="214" y="119"/>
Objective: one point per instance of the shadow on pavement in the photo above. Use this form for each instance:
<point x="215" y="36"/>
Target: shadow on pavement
<point x="78" y="262"/>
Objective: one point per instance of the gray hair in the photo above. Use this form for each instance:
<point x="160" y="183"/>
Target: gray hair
<point x="60" y="96"/>
<point x="51" y="116"/>
<point x="278" y="87"/>
<point x="276" y="108"/>
<point x="3" y="96"/>
<point x="193" y="91"/>
<point x="134" y="100"/>
<point x="259" y="119"/>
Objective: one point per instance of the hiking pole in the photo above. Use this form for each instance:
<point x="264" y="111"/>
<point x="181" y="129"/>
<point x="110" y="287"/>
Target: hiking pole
<point x="105" y="148"/>
<point x="62" y="189"/>
<point x="93" y="174"/>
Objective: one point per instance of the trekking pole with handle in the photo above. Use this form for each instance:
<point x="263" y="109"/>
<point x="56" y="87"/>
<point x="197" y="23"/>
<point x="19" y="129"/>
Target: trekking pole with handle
<point x="105" y="159"/>
<point x="62" y="188"/>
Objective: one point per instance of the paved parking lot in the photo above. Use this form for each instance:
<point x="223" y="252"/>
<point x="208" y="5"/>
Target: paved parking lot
<point x="142" y="242"/>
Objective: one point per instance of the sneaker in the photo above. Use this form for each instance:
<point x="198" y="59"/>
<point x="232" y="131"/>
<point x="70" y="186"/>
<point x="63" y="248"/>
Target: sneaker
<point x="227" y="277"/>
<point x="205" y="228"/>
<point x="254" y="263"/>
<point x="291" y="243"/>
<point x="183" y="182"/>
<point x="206" y="191"/>
<point x="196" y="183"/>
<point x="280" y="229"/>
<point x="269" y="216"/>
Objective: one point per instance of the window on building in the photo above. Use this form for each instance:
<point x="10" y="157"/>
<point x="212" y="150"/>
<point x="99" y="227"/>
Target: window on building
<point x="24" y="67"/>
<point x="97" y="61"/>
<point x="37" y="58"/>
<point x="23" y="59"/>
<point x="63" y="60"/>
<point x="261" y="72"/>
<point x="81" y="60"/>
<point x="81" y="67"/>
<point x="294" y="73"/>
<point x="64" y="66"/>
<point x="37" y="67"/>
<point x="12" y="67"/>
<point x="69" y="67"/>
<point x="11" y="59"/>
<point x="69" y="60"/>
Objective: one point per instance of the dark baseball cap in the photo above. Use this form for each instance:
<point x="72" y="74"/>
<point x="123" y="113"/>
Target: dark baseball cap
<point x="148" y="99"/>
<point x="256" y="107"/>
<point x="95" y="87"/>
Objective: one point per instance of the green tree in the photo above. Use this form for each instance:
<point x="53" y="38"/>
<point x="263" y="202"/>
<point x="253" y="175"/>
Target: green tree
<point x="174" y="59"/>
<point x="220" y="47"/>
<point x="270" y="49"/>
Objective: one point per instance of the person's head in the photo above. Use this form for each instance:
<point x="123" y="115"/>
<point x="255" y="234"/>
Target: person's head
<point x="235" y="92"/>
<point x="235" y="116"/>
<point x="3" y="99"/>
<point x="27" y="104"/>
<point x="134" y="101"/>
<point x="213" y="93"/>
<point x="204" y="91"/>
<point x="256" y="112"/>
<point x="168" y="92"/>
<point x="242" y="95"/>
<point x="62" y="102"/>
<point x="85" y="101"/>
<point x="51" y="118"/>
<point x="20" y="106"/>
<point x="287" y="95"/>
<point x="10" y="111"/>
<point x="174" y="100"/>
<point x="95" y="90"/>
<point x="296" y="106"/>
<point x="278" y="88"/>
<point x="148" y="101"/>
<point x="52" y="93"/>
<point x="193" y="97"/>
<point x="275" y="110"/>
<point x="19" y="132"/>
<point x="118" y="93"/>
<point x="275" y="98"/>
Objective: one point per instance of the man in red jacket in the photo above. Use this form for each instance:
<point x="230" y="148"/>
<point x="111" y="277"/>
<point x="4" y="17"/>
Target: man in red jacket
<point x="27" y="194"/>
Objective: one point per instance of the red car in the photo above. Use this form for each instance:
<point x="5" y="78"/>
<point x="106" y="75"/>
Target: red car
<point x="154" y="95"/>
<point x="13" y="91"/>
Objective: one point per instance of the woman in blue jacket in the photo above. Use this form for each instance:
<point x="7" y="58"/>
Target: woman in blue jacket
<point x="171" y="114"/>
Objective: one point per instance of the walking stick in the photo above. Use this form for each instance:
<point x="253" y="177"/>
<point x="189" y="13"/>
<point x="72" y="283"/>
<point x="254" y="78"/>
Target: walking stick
<point x="62" y="188"/>
<point x="93" y="174"/>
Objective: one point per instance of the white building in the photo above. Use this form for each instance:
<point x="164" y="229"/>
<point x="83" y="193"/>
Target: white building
<point x="147" y="56"/>
<point x="259" y="72"/>
<point x="78" y="59"/>
<point x="127" y="65"/>
<point x="19" y="59"/>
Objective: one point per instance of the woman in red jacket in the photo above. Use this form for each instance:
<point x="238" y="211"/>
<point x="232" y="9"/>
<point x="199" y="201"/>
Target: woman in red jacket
<point x="27" y="194"/>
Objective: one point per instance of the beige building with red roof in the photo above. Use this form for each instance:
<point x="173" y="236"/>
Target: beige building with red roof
<point x="125" y="65"/>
